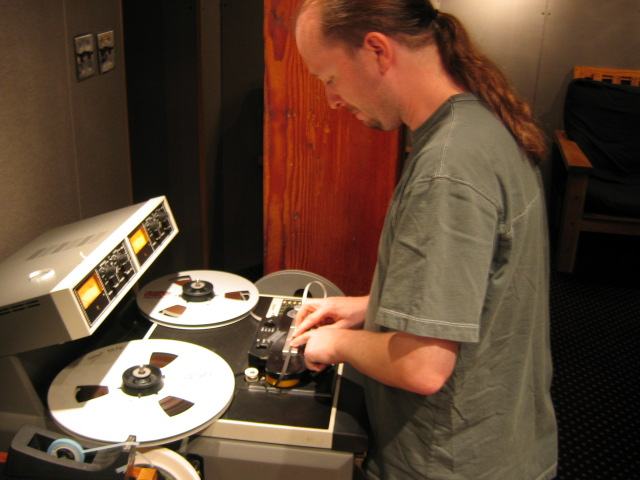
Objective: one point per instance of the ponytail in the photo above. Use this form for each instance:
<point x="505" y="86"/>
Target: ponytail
<point x="480" y="76"/>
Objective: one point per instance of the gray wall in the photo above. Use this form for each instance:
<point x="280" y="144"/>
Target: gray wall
<point x="64" y="151"/>
<point x="584" y="32"/>
<point x="537" y="42"/>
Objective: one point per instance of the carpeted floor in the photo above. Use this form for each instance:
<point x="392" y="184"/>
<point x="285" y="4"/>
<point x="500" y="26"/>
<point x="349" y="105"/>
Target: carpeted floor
<point x="595" y="335"/>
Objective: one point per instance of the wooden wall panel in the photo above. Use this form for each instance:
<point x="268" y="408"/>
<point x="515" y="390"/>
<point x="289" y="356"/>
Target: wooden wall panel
<point x="327" y="178"/>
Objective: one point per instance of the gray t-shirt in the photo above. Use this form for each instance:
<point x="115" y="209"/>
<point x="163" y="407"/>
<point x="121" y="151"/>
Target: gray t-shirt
<point x="463" y="256"/>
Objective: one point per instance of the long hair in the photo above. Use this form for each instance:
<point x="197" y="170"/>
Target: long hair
<point x="415" y="24"/>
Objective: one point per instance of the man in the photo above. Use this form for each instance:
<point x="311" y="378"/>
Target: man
<point x="454" y="336"/>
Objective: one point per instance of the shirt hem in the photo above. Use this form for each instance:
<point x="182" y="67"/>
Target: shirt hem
<point x="424" y="327"/>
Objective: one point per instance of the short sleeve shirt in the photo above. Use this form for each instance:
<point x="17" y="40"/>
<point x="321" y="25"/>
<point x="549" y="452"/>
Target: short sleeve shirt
<point x="463" y="256"/>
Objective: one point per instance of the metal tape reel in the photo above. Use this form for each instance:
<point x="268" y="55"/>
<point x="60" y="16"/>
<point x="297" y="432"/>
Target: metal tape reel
<point x="197" y="299"/>
<point x="193" y="388"/>
<point x="170" y="464"/>
<point x="291" y="283"/>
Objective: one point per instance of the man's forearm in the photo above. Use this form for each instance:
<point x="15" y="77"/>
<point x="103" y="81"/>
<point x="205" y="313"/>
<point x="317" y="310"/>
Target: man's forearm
<point x="418" y="364"/>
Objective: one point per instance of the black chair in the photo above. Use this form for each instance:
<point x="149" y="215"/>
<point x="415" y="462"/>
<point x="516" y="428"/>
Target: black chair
<point x="600" y="152"/>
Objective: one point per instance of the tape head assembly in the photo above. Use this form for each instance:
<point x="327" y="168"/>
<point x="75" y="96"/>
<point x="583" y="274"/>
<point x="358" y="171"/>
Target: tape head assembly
<point x="285" y="365"/>
<point x="270" y="352"/>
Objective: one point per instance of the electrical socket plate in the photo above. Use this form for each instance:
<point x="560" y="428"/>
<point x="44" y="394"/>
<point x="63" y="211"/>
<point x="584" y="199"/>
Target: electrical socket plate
<point x="85" y="50"/>
<point x="106" y="53"/>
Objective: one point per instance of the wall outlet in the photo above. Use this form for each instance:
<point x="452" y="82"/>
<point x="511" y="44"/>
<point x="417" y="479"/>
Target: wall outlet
<point x="106" y="52"/>
<point x="85" y="49"/>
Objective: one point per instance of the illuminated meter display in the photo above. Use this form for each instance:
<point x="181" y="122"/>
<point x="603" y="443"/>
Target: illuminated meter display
<point x="92" y="297"/>
<point x="89" y="291"/>
<point x="139" y="239"/>
<point x="140" y="244"/>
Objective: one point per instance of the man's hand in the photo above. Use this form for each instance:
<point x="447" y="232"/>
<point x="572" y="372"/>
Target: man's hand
<point x="332" y="314"/>
<point x="320" y="347"/>
<point x="337" y="312"/>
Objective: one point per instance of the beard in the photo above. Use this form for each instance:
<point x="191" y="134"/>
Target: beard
<point x="368" y="122"/>
<point x="375" y="124"/>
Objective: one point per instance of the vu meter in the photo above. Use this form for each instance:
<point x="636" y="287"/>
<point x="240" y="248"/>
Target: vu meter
<point x="140" y="244"/>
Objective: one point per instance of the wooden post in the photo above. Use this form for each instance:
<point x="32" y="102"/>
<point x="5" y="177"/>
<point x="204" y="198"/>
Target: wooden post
<point x="327" y="178"/>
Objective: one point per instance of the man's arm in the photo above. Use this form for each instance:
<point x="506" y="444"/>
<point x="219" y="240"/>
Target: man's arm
<point x="418" y="364"/>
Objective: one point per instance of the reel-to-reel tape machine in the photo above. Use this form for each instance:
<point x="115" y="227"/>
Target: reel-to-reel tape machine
<point x="213" y="365"/>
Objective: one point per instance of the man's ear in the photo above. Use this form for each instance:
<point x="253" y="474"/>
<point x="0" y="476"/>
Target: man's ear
<point x="379" y="45"/>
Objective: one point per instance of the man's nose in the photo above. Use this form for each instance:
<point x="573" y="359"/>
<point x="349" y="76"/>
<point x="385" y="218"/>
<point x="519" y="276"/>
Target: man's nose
<point x="334" y="100"/>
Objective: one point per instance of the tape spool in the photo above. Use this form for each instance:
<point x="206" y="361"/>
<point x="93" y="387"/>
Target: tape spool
<point x="170" y="464"/>
<point x="66" y="448"/>
<point x="197" y="299"/>
<point x="193" y="388"/>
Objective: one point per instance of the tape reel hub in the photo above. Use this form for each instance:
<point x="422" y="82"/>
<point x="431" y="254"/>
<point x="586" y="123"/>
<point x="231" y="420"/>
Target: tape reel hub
<point x="142" y="380"/>
<point x="197" y="291"/>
